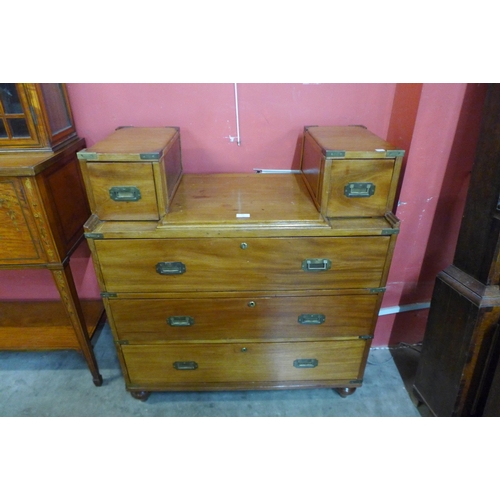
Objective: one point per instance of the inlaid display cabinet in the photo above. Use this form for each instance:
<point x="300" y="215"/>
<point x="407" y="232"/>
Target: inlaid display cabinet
<point x="43" y="207"/>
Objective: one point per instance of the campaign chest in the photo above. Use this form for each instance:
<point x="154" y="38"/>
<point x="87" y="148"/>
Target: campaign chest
<point x="242" y="285"/>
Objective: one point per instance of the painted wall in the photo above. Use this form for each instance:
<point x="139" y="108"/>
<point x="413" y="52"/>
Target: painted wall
<point x="436" y="123"/>
<point x="272" y="117"/>
<point x="431" y="202"/>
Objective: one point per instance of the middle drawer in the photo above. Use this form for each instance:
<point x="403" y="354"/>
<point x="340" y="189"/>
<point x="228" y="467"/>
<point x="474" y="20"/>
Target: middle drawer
<point x="253" y="317"/>
<point x="231" y="264"/>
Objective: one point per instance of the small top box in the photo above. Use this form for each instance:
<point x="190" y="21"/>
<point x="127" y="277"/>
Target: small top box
<point x="349" y="171"/>
<point x="133" y="173"/>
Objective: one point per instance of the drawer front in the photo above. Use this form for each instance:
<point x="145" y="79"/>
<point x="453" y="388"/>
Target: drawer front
<point x="253" y="362"/>
<point x="358" y="188"/>
<point x="19" y="240"/>
<point x="229" y="264"/>
<point x="123" y="191"/>
<point x="252" y="317"/>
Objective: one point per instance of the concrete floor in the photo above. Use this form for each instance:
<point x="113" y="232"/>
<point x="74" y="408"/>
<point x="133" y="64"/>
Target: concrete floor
<point x="58" y="384"/>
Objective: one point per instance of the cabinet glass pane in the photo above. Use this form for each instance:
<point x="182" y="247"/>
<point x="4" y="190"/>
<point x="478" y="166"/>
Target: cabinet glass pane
<point x="55" y="103"/>
<point x="10" y="99"/>
<point x="18" y="127"/>
<point x="3" y="131"/>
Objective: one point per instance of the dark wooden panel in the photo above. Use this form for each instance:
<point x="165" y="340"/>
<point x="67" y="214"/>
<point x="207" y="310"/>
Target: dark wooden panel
<point x="65" y="200"/>
<point x="460" y="331"/>
<point x="492" y="404"/>
<point x="479" y="237"/>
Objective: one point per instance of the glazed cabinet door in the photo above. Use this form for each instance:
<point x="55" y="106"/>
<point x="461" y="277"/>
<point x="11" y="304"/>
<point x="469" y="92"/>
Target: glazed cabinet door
<point x="17" y="118"/>
<point x="34" y="115"/>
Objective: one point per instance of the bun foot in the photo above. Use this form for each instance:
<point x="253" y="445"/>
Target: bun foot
<point x="140" y="395"/>
<point x="345" y="391"/>
<point x="97" y="381"/>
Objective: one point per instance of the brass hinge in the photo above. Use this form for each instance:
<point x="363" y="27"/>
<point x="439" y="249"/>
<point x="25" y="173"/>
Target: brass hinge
<point x="122" y="342"/>
<point x="394" y="153"/>
<point x="149" y="156"/>
<point x="377" y="290"/>
<point x="366" y="337"/>
<point x="335" y="154"/>
<point x="84" y="155"/>
<point x="107" y="295"/>
<point x="357" y="381"/>
<point x="94" y="236"/>
<point x="386" y="232"/>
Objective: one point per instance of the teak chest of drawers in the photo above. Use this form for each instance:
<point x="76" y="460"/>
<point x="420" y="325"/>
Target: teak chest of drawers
<point x="243" y="284"/>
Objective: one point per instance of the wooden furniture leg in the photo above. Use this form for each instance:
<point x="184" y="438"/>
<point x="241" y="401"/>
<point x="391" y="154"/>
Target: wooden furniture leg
<point x="140" y="395"/>
<point x="345" y="391"/>
<point x="63" y="278"/>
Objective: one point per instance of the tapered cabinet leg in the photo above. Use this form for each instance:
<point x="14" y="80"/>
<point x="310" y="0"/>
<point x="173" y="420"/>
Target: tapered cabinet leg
<point x="67" y="290"/>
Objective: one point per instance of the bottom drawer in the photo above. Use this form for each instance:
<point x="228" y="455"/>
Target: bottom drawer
<point x="161" y="366"/>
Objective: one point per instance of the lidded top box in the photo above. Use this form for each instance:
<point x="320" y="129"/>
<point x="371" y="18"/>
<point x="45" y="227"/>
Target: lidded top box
<point x="133" y="173"/>
<point x="349" y="171"/>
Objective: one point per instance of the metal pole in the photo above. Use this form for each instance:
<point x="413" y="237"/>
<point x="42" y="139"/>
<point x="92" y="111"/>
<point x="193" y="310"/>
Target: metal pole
<point x="237" y="114"/>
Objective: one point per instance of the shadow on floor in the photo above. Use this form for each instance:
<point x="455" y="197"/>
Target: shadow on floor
<point x="406" y="358"/>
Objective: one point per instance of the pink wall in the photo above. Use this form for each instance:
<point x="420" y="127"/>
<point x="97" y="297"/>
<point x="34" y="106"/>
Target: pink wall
<point x="272" y="117"/>
<point x="37" y="284"/>
<point x="436" y="123"/>
<point x="431" y="202"/>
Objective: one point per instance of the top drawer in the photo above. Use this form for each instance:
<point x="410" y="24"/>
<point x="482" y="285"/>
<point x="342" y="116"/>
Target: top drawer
<point x="133" y="173"/>
<point x="231" y="264"/>
<point x="349" y="171"/>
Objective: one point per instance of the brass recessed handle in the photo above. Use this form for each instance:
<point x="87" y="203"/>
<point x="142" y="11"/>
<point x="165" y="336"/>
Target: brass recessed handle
<point x="125" y="193"/>
<point x="166" y="268"/>
<point x="316" y="265"/>
<point x="185" y="365"/>
<point x="305" y="363"/>
<point x="180" y="321"/>
<point x="359" y="189"/>
<point x="311" y="319"/>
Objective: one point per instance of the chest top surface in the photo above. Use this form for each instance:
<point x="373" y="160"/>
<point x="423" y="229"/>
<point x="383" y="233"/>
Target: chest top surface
<point x="243" y="199"/>
<point x="134" y="141"/>
<point x="354" y="139"/>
